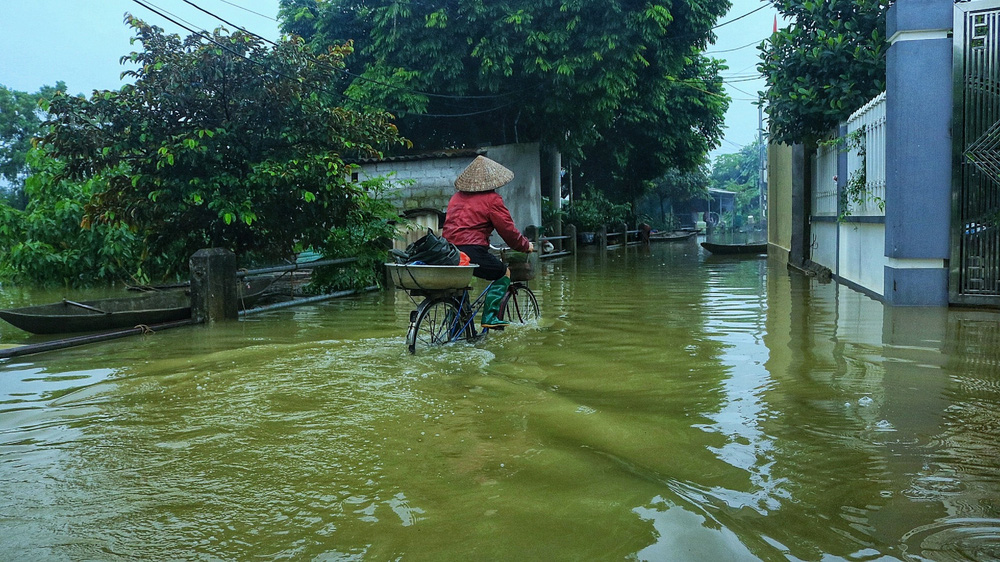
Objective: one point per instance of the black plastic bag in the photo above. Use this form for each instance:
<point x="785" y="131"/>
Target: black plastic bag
<point x="429" y="250"/>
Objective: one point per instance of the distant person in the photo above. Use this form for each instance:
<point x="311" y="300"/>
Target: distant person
<point x="474" y="212"/>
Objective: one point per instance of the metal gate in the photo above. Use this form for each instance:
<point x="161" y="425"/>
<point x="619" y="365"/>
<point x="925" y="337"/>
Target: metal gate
<point x="975" y="263"/>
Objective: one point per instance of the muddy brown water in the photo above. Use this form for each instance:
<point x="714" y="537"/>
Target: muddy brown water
<point x="669" y="406"/>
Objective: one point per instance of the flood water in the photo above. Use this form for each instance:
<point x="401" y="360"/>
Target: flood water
<point x="668" y="406"/>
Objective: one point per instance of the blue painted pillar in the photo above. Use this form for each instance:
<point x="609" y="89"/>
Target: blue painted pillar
<point x="918" y="152"/>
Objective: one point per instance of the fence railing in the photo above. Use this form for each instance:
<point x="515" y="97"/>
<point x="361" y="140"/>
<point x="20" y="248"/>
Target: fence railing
<point x="605" y="238"/>
<point x="824" y="181"/>
<point x="866" y="157"/>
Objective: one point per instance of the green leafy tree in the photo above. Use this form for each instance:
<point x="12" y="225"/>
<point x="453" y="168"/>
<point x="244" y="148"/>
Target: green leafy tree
<point x="618" y="87"/>
<point x="826" y="65"/>
<point x="593" y="209"/>
<point x="740" y="173"/>
<point x="46" y="243"/>
<point x="20" y="121"/>
<point x="674" y="186"/>
<point x="222" y="141"/>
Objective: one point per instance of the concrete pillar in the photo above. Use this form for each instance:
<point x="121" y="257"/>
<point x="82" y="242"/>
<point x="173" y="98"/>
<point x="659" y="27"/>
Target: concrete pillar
<point x="801" y="200"/>
<point x="552" y="185"/>
<point x="570" y="230"/>
<point x="602" y="238"/>
<point x="919" y="83"/>
<point x="213" y="285"/>
<point x="531" y="232"/>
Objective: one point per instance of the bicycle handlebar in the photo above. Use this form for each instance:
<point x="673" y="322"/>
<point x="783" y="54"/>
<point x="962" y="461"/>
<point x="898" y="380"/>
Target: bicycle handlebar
<point x="504" y="248"/>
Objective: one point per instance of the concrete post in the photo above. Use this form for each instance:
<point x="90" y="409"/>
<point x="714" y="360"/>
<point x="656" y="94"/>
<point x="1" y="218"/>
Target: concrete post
<point x="552" y="185"/>
<point x="213" y="285"/>
<point x="919" y="102"/>
<point x="531" y="233"/>
<point x="798" y="251"/>
<point x="570" y="230"/>
<point x="602" y="238"/>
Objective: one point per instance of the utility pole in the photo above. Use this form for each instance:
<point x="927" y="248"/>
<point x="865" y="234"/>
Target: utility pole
<point x="762" y="163"/>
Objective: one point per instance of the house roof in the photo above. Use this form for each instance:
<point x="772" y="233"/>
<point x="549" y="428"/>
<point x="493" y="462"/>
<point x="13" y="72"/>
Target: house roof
<point x="429" y="155"/>
<point x="720" y="191"/>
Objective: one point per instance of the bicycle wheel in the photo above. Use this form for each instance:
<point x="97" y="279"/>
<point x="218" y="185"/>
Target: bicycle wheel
<point x="436" y="324"/>
<point x="519" y="305"/>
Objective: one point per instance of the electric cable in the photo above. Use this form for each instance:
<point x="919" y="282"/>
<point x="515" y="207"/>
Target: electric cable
<point x="349" y="73"/>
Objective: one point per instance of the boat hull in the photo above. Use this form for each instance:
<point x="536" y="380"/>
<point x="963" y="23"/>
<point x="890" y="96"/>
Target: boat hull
<point x="735" y="249"/>
<point x="675" y="236"/>
<point x="151" y="308"/>
<point x="68" y="317"/>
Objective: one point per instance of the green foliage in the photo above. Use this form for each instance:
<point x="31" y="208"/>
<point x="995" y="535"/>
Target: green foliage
<point x="619" y="87"/>
<point x="228" y="143"/>
<point x="740" y="173"/>
<point x="367" y="235"/>
<point x="855" y="190"/>
<point x="593" y="209"/>
<point x="674" y="186"/>
<point x="47" y="244"/>
<point x="680" y="186"/>
<point x="551" y="216"/>
<point x="20" y="121"/>
<point x="829" y="63"/>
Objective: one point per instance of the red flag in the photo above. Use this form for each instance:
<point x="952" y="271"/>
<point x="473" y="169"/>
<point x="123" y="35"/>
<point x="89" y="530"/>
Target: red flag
<point x="775" y="23"/>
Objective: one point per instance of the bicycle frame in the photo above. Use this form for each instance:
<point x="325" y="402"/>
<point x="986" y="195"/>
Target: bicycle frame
<point x="462" y="326"/>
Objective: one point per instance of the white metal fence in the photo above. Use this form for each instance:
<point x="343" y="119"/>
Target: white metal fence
<point x="867" y="126"/>
<point x="824" y="180"/>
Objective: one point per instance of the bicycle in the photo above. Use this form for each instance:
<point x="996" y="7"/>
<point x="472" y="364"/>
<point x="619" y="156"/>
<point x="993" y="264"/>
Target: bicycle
<point x="447" y="315"/>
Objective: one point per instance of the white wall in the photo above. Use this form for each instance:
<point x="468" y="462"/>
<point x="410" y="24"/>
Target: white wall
<point x="824" y="244"/>
<point x="862" y="255"/>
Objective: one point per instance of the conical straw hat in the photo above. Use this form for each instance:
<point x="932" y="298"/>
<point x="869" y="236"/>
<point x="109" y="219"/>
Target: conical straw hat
<point x="483" y="174"/>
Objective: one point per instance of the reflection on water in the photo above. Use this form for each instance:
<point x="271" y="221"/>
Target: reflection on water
<point x="668" y="406"/>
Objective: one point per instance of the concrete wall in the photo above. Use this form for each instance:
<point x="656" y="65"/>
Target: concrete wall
<point x="863" y="268"/>
<point x="419" y="184"/>
<point x="779" y="199"/>
<point x="523" y="195"/>
<point x="919" y="85"/>
<point x="423" y="185"/>
<point x="904" y="257"/>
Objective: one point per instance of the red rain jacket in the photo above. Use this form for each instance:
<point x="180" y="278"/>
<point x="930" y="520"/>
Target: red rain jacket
<point x="473" y="216"/>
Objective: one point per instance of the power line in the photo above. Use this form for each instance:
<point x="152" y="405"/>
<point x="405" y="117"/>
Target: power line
<point x="741" y="17"/>
<point x="348" y="73"/>
<point x="751" y="44"/>
<point x="245" y="9"/>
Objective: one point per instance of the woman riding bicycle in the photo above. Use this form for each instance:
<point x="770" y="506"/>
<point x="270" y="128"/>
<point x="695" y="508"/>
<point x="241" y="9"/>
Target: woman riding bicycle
<point x="474" y="212"/>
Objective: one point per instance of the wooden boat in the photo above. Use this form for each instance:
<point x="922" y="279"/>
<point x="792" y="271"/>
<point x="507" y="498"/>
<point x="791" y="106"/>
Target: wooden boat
<point x="672" y="236"/>
<point x="153" y="307"/>
<point x="735" y="249"/>
<point x="104" y="314"/>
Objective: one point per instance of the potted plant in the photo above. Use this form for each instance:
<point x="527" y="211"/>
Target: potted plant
<point x="592" y="211"/>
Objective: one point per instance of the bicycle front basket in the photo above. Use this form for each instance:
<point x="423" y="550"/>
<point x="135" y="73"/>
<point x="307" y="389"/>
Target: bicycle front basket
<point x="430" y="277"/>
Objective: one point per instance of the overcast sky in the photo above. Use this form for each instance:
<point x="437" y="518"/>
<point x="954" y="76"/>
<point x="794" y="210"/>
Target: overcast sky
<point x="81" y="41"/>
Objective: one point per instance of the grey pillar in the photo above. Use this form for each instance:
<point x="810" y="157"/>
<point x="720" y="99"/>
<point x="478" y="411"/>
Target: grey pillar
<point x="552" y="185"/>
<point x="801" y="204"/>
<point x="570" y="231"/>
<point x="918" y="152"/>
<point x="213" y="285"/>
<point x="531" y="232"/>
